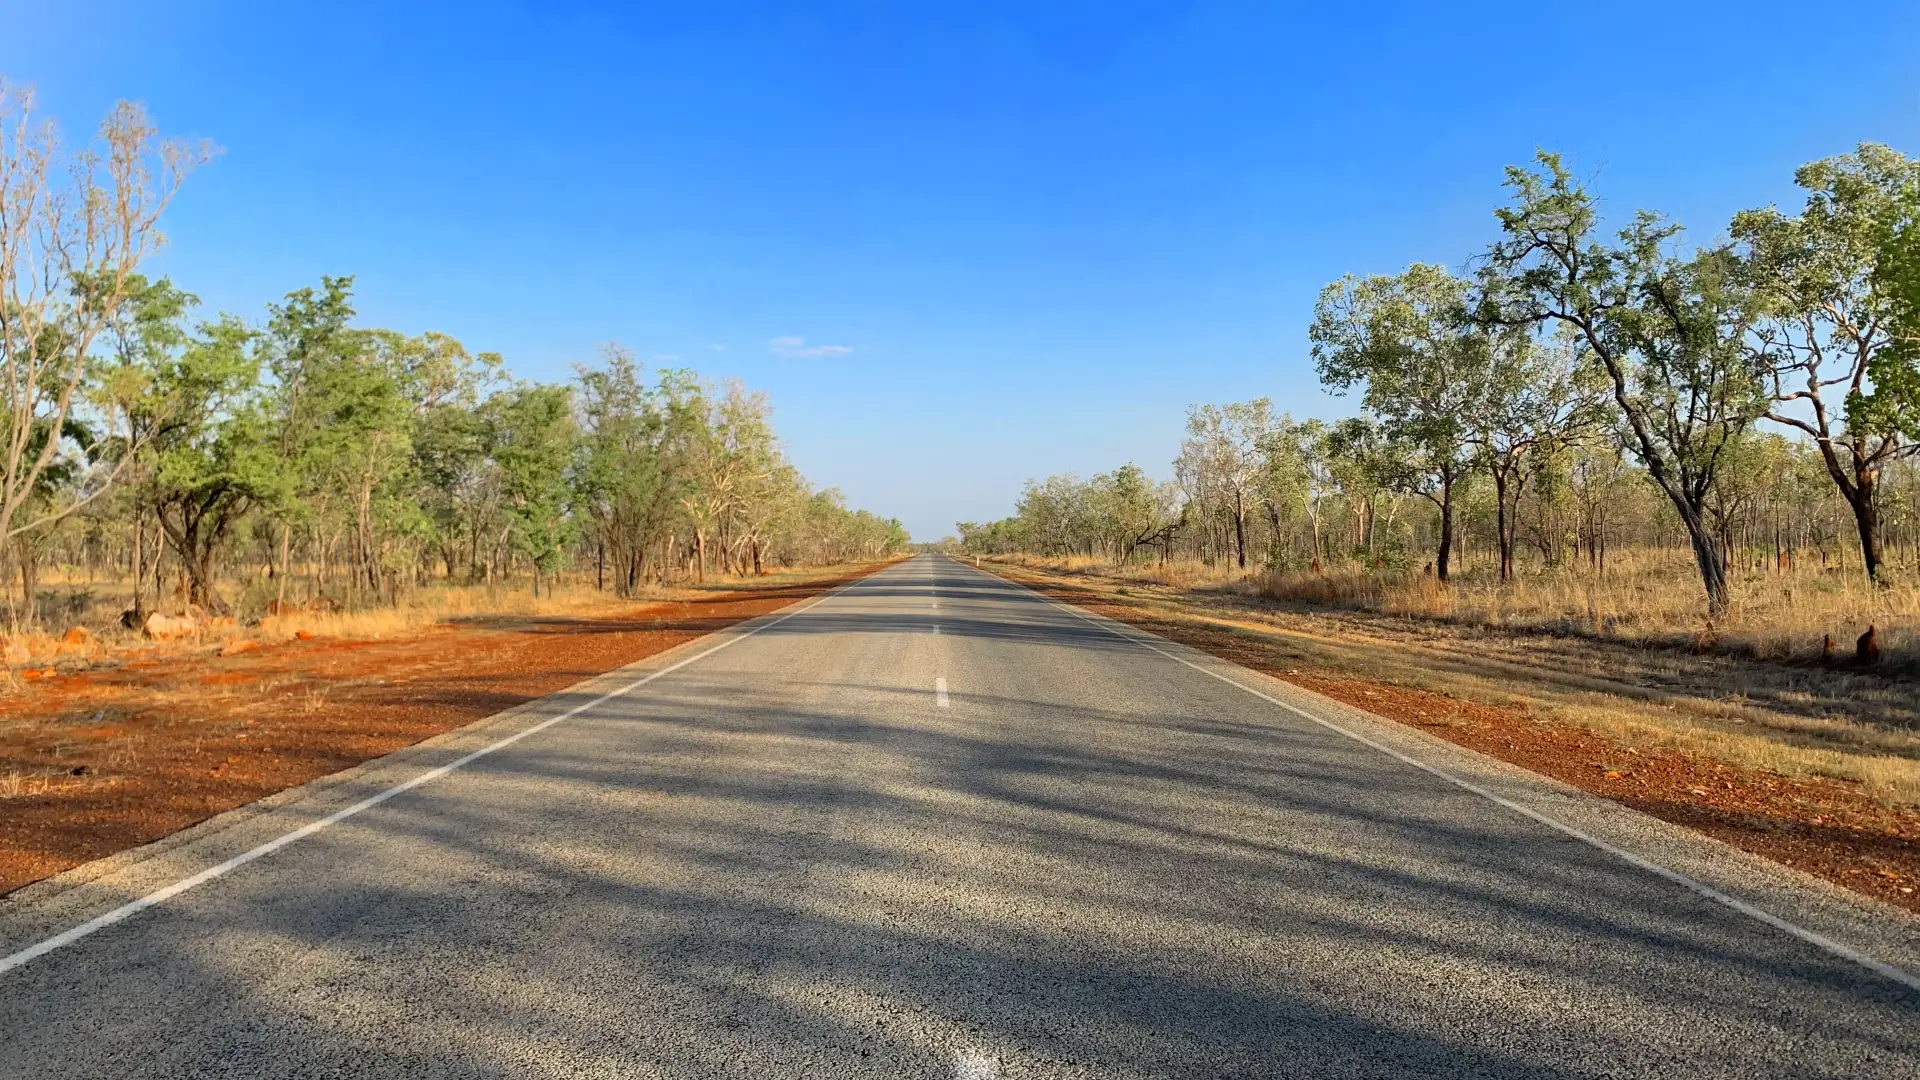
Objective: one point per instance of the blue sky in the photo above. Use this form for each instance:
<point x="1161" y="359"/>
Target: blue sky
<point x="962" y="243"/>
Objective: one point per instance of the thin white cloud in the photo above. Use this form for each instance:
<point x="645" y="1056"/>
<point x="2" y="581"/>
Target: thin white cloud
<point x="796" y="348"/>
<point x="665" y="357"/>
<point x="716" y="347"/>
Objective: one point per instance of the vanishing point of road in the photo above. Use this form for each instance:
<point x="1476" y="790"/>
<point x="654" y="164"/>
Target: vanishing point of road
<point x="935" y="825"/>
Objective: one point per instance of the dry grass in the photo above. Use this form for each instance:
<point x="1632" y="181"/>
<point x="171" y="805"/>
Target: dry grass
<point x="1644" y="597"/>
<point x="1621" y="681"/>
<point x="97" y="606"/>
<point x="425" y="608"/>
<point x="1778" y="616"/>
<point x="15" y="784"/>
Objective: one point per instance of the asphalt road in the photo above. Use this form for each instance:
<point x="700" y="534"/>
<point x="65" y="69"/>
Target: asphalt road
<point x="936" y="826"/>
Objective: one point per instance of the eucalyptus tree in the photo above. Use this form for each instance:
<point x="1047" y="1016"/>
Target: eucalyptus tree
<point x="1668" y="332"/>
<point x="215" y="457"/>
<point x="618" y="474"/>
<point x="74" y="228"/>
<point x="147" y="334"/>
<point x="362" y="446"/>
<point x="1826" y="319"/>
<point x="1170" y="511"/>
<point x="1053" y="514"/>
<point x="1299" y="468"/>
<point x="1362" y="461"/>
<point x="1540" y="398"/>
<point x="450" y="472"/>
<point x="740" y="470"/>
<point x="770" y="500"/>
<point x="306" y="337"/>
<point x="531" y="434"/>
<point x="1895" y="370"/>
<point x="1285" y="477"/>
<point x="1125" y="510"/>
<point x="1424" y="365"/>
<point x="1221" y="459"/>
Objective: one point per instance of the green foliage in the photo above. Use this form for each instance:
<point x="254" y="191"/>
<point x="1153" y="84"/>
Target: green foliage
<point x="1832" y="288"/>
<point x="1422" y="362"/>
<point x="1894" y="369"/>
<point x="1522" y="400"/>
<point x="1670" y="333"/>
<point x="530" y="437"/>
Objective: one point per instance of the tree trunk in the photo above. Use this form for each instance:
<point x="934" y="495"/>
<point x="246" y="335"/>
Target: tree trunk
<point x="1240" y="531"/>
<point x="1500" y="482"/>
<point x="29" y="582"/>
<point x="139" y="553"/>
<point x="200" y="581"/>
<point x="1866" y="518"/>
<point x="280" y="582"/>
<point x="1706" y="552"/>
<point x="1444" y="558"/>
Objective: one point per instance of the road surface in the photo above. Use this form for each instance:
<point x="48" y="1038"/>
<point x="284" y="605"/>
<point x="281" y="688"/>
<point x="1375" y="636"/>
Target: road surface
<point x="936" y="826"/>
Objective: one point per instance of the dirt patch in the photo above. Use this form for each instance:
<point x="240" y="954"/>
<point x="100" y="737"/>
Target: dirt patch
<point x="97" y="762"/>
<point x="1822" y="827"/>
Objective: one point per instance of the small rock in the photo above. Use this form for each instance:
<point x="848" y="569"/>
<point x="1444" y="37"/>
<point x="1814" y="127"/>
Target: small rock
<point x="81" y="770"/>
<point x="170" y="627"/>
<point x="303" y="635"/>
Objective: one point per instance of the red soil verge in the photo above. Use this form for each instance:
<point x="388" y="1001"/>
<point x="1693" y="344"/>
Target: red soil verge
<point x="1821" y="827"/>
<point x="148" y="748"/>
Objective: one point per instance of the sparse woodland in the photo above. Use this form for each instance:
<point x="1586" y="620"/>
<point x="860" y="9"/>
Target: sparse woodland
<point x="1589" y="430"/>
<point x="174" y="459"/>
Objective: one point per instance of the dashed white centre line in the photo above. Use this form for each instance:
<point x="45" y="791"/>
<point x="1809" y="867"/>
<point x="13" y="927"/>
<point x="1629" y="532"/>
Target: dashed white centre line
<point x="940" y="692"/>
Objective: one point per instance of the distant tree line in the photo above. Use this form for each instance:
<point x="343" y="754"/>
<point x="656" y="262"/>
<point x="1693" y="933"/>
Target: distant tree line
<point x="306" y="456"/>
<point x="1569" y="391"/>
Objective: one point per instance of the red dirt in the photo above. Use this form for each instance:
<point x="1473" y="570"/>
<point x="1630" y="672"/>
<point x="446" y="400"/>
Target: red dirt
<point x="129" y="754"/>
<point x="1822" y="827"/>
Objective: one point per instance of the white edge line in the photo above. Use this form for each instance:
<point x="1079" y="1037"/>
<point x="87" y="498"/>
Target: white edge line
<point x="940" y="692"/>
<point x="162" y="895"/>
<point x="1699" y="888"/>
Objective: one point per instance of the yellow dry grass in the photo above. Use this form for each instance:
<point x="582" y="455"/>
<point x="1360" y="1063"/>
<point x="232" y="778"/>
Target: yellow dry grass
<point x="1648" y="597"/>
<point x="96" y="605"/>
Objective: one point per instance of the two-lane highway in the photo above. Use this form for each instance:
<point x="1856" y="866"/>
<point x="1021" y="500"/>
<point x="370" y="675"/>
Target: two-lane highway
<point x="937" y="826"/>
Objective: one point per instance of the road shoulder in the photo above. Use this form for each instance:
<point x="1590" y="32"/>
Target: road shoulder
<point x="71" y="898"/>
<point x="1877" y="930"/>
